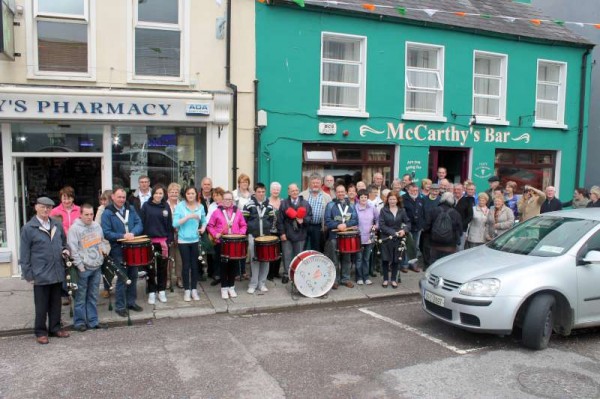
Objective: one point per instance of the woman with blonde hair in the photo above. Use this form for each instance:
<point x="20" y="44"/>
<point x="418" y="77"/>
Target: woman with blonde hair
<point x="241" y="195"/>
<point x="173" y="191"/>
<point x="500" y="218"/>
<point x="594" y="197"/>
<point x="477" y="231"/>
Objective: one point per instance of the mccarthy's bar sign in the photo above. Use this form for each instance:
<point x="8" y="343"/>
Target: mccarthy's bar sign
<point x="450" y="134"/>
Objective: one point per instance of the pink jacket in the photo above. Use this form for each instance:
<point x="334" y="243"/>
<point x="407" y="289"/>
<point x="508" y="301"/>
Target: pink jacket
<point x="217" y="223"/>
<point x="67" y="217"/>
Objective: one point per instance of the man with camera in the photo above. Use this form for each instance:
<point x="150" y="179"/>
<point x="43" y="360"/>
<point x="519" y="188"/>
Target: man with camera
<point x="530" y="203"/>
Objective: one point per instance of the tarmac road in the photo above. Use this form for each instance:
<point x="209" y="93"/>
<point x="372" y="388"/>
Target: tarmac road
<point x="388" y="349"/>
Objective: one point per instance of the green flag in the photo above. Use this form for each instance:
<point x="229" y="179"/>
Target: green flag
<point x="299" y="2"/>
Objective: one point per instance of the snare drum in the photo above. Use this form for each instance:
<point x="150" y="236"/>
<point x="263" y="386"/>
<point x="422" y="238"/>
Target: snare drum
<point x="348" y="242"/>
<point x="266" y="248"/>
<point x="137" y="252"/>
<point x="313" y="273"/>
<point x="234" y="246"/>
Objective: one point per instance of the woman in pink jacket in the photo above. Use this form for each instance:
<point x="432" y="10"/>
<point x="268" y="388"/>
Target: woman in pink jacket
<point x="67" y="210"/>
<point x="226" y="219"/>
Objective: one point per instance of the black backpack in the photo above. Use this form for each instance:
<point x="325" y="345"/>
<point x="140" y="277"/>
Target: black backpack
<point x="442" y="231"/>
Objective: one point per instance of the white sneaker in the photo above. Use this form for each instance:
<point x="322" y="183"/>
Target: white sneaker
<point x="232" y="293"/>
<point x="195" y="295"/>
<point x="151" y="298"/>
<point x="251" y="290"/>
<point x="162" y="296"/>
<point x="360" y="282"/>
<point x="224" y="293"/>
<point x="187" y="297"/>
<point x="142" y="274"/>
<point x="368" y="282"/>
<point x="263" y="288"/>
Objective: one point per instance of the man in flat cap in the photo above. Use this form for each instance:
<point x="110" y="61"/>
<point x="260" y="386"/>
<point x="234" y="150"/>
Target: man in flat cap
<point x="43" y="245"/>
<point x="494" y="182"/>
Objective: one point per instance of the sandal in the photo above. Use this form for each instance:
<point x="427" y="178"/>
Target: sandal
<point x="394" y="284"/>
<point x="385" y="284"/>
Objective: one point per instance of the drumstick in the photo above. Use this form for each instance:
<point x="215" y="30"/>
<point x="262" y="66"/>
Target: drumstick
<point x="127" y="239"/>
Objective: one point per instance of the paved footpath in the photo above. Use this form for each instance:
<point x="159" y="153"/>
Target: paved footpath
<point x="17" y="311"/>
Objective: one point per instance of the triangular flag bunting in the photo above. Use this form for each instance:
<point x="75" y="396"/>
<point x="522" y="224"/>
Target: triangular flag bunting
<point x="486" y="16"/>
<point x="299" y="2"/>
<point x="401" y="10"/>
<point x="559" y="22"/>
<point x="370" y="7"/>
<point x="429" y="11"/>
<point x="597" y="26"/>
<point x="510" y="19"/>
<point x="460" y="14"/>
<point x="580" y="24"/>
<point x="536" y="21"/>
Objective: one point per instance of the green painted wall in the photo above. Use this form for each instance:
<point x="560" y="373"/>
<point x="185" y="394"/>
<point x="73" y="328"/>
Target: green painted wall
<point x="288" y="44"/>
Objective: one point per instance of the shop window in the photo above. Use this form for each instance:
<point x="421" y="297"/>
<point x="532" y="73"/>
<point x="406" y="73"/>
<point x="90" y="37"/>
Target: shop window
<point x="63" y="38"/>
<point x="165" y="154"/>
<point x="533" y="168"/>
<point x="350" y="163"/>
<point x="424" y="90"/>
<point x="56" y="138"/>
<point x="489" y="88"/>
<point x="550" y="94"/>
<point x="343" y="75"/>
<point x="158" y="40"/>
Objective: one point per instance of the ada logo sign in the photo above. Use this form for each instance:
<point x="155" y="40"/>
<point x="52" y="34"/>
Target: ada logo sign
<point x="197" y="109"/>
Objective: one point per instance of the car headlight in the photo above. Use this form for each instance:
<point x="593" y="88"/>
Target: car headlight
<point x="483" y="287"/>
<point x="427" y="275"/>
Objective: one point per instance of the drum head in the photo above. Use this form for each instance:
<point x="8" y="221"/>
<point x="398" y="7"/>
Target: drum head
<point x="266" y="239"/>
<point x="314" y="275"/>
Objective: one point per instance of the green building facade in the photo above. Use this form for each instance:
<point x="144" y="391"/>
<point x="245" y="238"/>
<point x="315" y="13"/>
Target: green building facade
<point x="347" y="91"/>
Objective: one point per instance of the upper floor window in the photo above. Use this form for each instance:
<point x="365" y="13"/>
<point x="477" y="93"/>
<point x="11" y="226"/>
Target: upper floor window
<point x="158" y="40"/>
<point x="343" y="75"/>
<point x="489" y="88"/>
<point x="550" y="94"/>
<point x="63" y="39"/>
<point x="424" y="82"/>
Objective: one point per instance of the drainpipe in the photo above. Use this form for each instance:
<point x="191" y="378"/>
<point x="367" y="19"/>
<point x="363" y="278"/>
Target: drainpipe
<point x="234" y="91"/>
<point x="256" y="132"/>
<point x="582" y="93"/>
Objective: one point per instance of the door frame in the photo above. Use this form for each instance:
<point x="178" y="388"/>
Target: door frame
<point x="466" y="160"/>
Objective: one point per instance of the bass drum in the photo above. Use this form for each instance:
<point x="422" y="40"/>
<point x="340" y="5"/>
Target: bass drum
<point x="313" y="273"/>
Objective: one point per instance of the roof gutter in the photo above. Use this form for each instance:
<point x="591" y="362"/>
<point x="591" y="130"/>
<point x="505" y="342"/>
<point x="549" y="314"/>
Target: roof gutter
<point x="234" y="90"/>
<point x="581" y="122"/>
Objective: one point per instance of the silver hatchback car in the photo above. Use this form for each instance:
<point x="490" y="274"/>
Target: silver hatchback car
<point x="541" y="276"/>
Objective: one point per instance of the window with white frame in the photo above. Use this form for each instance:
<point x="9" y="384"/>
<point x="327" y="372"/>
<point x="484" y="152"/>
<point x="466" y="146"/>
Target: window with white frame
<point x="489" y="87"/>
<point x="343" y="81"/>
<point x="424" y="90"/>
<point x="550" y="95"/>
<point x="61" y="30"/>
<point x="158" y="37"/>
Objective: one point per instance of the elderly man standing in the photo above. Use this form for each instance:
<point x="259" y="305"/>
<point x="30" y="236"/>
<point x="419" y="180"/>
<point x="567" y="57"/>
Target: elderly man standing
<point x="205" y="198"/>
<point x="328" y="182"/>
<point x="295" y="214"/>
<point x="43" y="245"/>
<point x="552" y="203"/>
<point x="378" y="182"/>
<point x="318" y="200"/>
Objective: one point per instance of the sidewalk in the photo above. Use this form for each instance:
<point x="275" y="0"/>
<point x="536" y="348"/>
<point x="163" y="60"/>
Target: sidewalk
<point x="17" y="311"/>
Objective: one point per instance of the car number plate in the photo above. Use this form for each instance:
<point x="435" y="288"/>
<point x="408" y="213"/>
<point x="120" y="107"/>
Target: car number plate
<point x="431" y="297"/>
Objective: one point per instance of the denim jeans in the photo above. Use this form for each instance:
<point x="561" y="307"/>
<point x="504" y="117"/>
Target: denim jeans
<point x="86" y="299"/>
<point x="290" y="250"/>
<point x="125" y="290"/>
<point x="344" y="265"/>
<point x="363" y="260"/>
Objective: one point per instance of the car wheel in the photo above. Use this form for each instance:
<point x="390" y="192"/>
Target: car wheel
<point x="539" y="322"/>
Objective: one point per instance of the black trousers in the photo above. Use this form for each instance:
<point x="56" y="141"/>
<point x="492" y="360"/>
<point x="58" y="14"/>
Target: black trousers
<point x="47" y="301"/>
<point x="157" y="272"/>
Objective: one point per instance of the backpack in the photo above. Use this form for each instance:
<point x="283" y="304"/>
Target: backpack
<point x="442" y="231"/>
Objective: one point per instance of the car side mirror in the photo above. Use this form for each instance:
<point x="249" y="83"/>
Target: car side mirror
<point x="592" y="257"/>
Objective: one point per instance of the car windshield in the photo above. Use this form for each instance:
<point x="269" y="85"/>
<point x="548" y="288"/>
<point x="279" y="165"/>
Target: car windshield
<point x="543" y="236"/>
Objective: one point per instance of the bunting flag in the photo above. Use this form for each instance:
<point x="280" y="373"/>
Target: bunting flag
<point x="432" y="12"/>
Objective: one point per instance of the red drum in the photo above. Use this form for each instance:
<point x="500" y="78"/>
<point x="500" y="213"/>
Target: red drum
<point x="266" y="248"/>
<point x="348" y="242"/>
<point x="234" y="246"/>
<point x="137" y="252"/>
<point x="313" y="273"/>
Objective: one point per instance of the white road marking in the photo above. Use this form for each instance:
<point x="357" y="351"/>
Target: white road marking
<point x="419" y="333"/>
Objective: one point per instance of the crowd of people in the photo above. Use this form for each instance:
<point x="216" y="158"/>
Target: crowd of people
<point x="407" y="226"/>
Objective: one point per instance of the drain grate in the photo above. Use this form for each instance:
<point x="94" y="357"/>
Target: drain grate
<point x="552" y="383"/>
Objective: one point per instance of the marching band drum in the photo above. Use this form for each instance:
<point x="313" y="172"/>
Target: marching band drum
<point x="137" y="252"/>
<point x="313" y="273"/>
<point x="348" y="242"/>
<point x="267" y="248"/>
<point x="234" y="246"/>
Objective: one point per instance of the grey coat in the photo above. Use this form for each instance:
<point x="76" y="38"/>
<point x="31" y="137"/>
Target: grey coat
<point x="41" y="252"/>
<point x="506" y="219"/>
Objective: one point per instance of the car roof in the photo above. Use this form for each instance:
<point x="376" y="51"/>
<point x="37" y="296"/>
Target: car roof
<point x="582" y="213"/>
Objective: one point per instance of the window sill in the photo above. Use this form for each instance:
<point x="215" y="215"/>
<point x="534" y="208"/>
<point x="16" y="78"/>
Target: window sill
<point x="158" y="81"/>
<point x="424" y="117"/>
<point x="479" y="120"/>
<point x="342" y="112"/>
<point x="550" y="125"/>
<point x="63" y="77"/>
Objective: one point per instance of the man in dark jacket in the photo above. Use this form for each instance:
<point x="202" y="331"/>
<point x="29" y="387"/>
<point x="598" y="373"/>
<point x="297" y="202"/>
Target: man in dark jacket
<point x="295" y="214"/>
<point x="121" y="221"/>
<point x="43" y="245"/>
<point x="464" y="207"/>
<point x="551" y="203"/>
<point x="259" y="216"/>
<point x="340" y="215"/>
<point x="414" y="205"/>
<point x="440" y="249"/>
